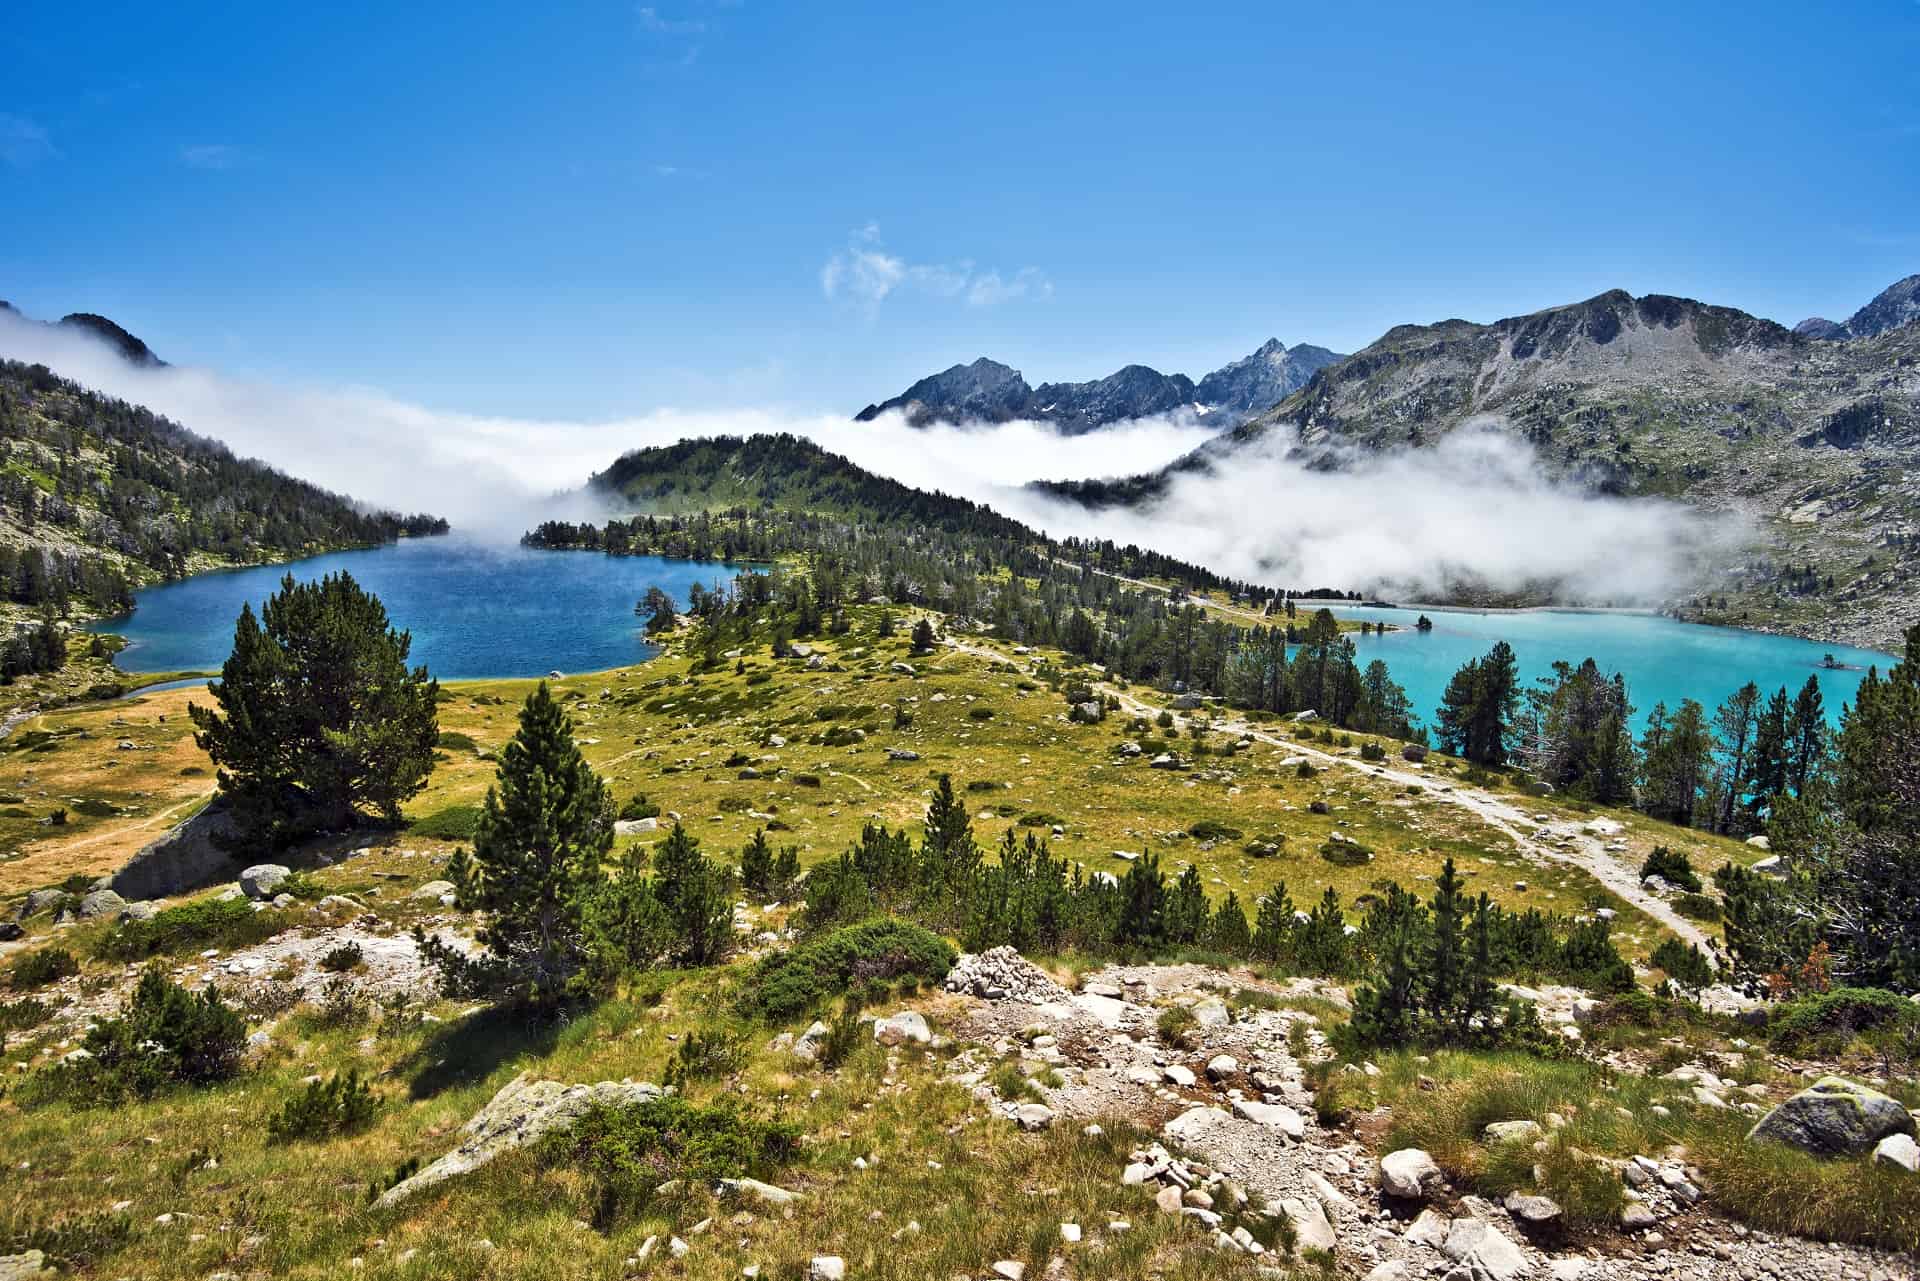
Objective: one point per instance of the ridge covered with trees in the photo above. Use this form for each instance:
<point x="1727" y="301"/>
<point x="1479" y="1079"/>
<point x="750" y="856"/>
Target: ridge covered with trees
<point x="98" y="496"/>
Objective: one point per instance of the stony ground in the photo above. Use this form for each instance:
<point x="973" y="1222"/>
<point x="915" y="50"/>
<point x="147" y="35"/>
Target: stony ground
<point x="1234" y="1112"/>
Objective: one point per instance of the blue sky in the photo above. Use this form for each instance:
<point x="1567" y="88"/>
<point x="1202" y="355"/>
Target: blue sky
<point x="603" y="208"/>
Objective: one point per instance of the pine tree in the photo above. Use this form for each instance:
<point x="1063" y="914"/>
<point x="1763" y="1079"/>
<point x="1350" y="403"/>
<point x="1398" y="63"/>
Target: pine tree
<point x="1186" y="913"/>
<point x="756" y="864"/>
<point x="922" y="637"/>
<point x="1444" y="966"/>
<point x="544" y="831"/>
<point x="1806" y="735"/>
<point x="697" y="897"/>
<point x="319" y="716"/>
<point x="1228" y="932"/>
<point x="1273" y="928"/>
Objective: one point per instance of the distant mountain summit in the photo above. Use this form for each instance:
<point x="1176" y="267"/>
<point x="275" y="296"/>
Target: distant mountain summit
<point x="1256" y="383"/>
<point x="987" y="391"/>
<point x="133" y="350"/>
<point x="1893" y="307"/>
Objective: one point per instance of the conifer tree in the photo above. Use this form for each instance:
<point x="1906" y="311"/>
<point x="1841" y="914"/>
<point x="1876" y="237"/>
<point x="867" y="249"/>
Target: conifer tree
<point x="319" y="719"/>
<point x="544" y="831"/>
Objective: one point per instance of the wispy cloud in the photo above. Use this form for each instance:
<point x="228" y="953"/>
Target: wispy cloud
<point x="865" y="274"/>
<point x="653" y="23"/>
<point x="212" y="156"/>
<point x="22" y="142"/>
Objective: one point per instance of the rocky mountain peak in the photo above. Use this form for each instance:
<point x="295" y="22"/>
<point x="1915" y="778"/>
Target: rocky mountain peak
<point x="1896" y="305"/>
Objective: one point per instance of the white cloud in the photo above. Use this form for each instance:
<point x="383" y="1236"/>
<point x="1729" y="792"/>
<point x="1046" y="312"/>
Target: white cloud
<point x="653" y="23"/>
<point x="865" y="274"/>
<point x="22" y="142"/>
<point x="1475" y="508"/>
<point x="498" y="476"/>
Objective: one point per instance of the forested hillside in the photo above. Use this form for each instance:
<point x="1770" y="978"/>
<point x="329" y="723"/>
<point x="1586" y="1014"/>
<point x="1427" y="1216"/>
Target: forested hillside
<point x="98" y="496"/>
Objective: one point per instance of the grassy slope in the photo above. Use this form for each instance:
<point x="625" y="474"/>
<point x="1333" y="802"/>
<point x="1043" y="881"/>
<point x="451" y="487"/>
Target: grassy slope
<point x="299" y="1211"/>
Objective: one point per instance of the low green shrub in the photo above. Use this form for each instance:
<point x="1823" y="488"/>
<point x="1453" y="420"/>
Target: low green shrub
<point x="638" y="807"/>
<point x="872" y="955"/>
<point x="191" y="927"/>
<point x="23" y="1015"/>
<point x="1175" y="1026"/>
<point x="1833" y="1019"/>
<point x="73" y="1244"/>
<point x="706" y="1055"/>
<point x="1683" y="963"/>
<point x="344" y="957"/>
<point x="453" y="823"/>
<point x="163" y="1036"/>
<point x="337" y="1105"/>
<point x="454" y="741"/>
<point x="627" y="1152"/>
<point x="37" y="969"/>
<point x="1673" y="867"/>
<point x="1698" y="907"/>
<point x="1212" y="829"/>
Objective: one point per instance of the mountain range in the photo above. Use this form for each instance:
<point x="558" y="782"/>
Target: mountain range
<point x="1813" y="441"/>
<point x="1896" y="305"/>
<point x="987" y="391"/>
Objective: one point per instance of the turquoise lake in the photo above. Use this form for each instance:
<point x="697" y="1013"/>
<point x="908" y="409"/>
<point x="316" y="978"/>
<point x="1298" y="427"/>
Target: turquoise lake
<point x="475" y="609"/>
<point x="479" y="610"/>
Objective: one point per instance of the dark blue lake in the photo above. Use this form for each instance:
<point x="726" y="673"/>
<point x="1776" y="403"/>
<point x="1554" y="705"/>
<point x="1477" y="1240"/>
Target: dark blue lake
<point x="479" y="610"/>
<point x="475" y="609"/>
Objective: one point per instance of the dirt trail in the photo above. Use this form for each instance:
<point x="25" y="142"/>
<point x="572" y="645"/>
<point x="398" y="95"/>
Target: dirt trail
<point x="1557" y="840"/>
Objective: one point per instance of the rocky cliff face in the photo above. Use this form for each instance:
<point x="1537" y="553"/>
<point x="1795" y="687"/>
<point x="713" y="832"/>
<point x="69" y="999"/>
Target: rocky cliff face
<point x="989" y="392"/>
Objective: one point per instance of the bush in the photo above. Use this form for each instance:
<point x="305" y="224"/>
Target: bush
<point x="983" y="785"/>
<point x="1832" y="1019"/>
<point x="638" y="806"/>
<point x="628" y="1152"/>
<point x="191" y="927"/>
<point x="37" y="969"/>
<point x="1372" y="752"/>
<point x="337" y="1105"/>
<point x="1345" y="853"/>
<point x="843" y="1033"/>
<point x="1175" y="1025"/>
<point x="1683" y="964"/>
<point x="23" y="1015"/>
<point x="1673" y="867"/>
<point x="72" y="1244"/>
<point x="165" y="1035"/>
<point x="880" y="952"/>
<point x="454" y="741"/>
<point x="338" y="960"/>
<point x="705" y="1056"/>
<point x="980" y="713"/>
<point x="1212" y="829"/>
<point x="1698" y="907"/>
<point x="454" y="823"/>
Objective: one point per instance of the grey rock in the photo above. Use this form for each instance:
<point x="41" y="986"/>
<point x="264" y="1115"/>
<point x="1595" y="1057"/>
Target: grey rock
<point x="1409" y="1174"/>
<point x="1311" y="1229"/>
<point x="1834" y="1117"/>
<point x="262" y="880"/>
<point x="435" y="890"/>
<point x="24" y="1267"/>
<point x="1534" y="1211"/>
<point x="1898" y="1150"/>
<point x="1486" y="1250"/>
<point x="524" y="1111"/>
<point x="100" y="903"/>
<point x="898" y="1029"/>
<point x="1512" y="1132"/>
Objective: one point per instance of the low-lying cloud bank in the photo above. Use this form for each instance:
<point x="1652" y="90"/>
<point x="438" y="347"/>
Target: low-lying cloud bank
<point x="1475" y="509"/>
<point x="495" y="476"/>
